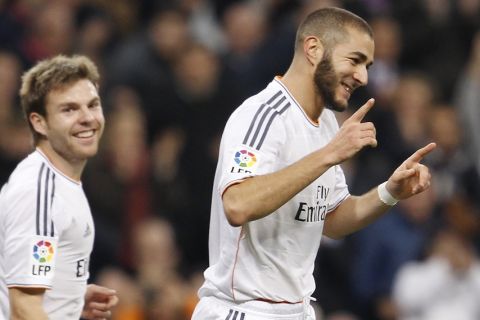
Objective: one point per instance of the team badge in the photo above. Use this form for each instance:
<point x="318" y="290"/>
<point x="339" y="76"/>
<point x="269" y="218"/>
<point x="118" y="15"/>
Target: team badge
<point x="243" y="160"/>
<point x="43" y="251"/>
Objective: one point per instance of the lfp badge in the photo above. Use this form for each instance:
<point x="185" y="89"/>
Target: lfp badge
<point x="43" y="257"/>
<point x="245" y="159"/>
<point x="43" y="251"/>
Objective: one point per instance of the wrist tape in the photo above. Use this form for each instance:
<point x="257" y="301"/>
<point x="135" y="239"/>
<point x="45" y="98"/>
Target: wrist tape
<point x="385" y="196"/>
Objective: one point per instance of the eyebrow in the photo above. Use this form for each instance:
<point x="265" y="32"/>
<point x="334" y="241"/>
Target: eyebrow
<point x="94" y="99"/>
<point x="362" y="57"/>
<point x="75" y="103"/>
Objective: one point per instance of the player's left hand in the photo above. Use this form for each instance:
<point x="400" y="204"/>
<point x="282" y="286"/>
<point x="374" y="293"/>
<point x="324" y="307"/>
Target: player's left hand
<point x="411" y="177"/>
<point x="98" y="302"/>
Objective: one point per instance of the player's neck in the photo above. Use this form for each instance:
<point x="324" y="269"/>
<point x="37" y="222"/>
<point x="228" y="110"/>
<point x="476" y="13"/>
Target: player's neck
<point x="301" y="86"/>
<point x="70" y="168"/>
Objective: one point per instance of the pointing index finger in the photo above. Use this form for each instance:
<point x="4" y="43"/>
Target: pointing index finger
<point x="421" y="153"/>
<point x="360" y="113"/>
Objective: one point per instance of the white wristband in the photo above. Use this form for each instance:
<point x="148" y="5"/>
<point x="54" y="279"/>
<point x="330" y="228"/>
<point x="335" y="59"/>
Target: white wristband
<point x="385" y="196"/>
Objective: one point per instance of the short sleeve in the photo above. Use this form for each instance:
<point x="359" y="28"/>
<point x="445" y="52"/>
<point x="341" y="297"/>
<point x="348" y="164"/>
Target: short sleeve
<point x="340" y="192"/>
<point x="30" y="246"/>
<point x="250" y="146"/>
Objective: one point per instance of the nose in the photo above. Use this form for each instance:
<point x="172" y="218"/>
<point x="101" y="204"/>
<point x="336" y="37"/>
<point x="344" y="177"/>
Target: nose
<point x="361" y="76"/>
<point x="86" y="115"/>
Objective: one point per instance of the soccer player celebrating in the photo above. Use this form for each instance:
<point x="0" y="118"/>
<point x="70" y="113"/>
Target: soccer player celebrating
<point x="279" y="186"/>
<point x="46" y="227"/>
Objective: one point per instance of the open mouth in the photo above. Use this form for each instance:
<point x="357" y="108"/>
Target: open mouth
<point x="347" y="88"/>
<point x="85" y="134"/>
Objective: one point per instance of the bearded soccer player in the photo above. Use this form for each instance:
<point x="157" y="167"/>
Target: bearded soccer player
<point x="279" y="185"/>
<point x="46" y="227"/>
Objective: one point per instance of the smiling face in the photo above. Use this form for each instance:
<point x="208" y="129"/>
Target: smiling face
<point x="73" y="124"/>
<point x="343" y="69"/>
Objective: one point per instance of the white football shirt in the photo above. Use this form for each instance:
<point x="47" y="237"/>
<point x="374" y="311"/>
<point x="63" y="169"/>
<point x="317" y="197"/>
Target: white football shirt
<point x="273" y="257"/>
<point x="46" y="237"/>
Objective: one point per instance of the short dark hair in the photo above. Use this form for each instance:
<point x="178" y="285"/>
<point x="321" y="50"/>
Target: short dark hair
<point x="51" y="74"/>
<point x="329" y="25"/>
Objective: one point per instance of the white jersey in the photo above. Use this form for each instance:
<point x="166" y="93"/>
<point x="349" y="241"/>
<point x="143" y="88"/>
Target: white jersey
<point x="46" y="237"/>
<point x="271" y="258"/>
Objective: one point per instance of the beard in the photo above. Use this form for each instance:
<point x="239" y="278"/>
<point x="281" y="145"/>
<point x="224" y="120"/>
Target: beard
<point x="326" y="81"/>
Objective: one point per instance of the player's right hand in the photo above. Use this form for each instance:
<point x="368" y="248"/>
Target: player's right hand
<point x="98" y="302"/>
<point x="353" y="135"/>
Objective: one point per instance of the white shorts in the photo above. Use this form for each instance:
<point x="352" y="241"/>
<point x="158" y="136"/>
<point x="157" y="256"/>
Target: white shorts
<point x="211" y="308"/>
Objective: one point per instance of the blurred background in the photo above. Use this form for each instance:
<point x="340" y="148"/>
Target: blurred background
<point x="173" y="71"/>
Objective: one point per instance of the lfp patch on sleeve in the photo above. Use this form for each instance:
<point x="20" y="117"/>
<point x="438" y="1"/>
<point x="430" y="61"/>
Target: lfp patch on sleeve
<point x="43" y="255"/>
<point x="244" y="160"/>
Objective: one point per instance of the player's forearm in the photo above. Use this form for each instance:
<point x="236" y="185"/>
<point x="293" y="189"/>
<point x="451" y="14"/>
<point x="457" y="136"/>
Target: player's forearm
<point x="354" y="214"/>
<point x="259" y="196"/>
<point x="28" y="313"/>
<point x="26" y="304"/>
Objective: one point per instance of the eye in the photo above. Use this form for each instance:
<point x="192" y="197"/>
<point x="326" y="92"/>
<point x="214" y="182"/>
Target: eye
<point x="354" y="61"/>
<point x="94" y="104"/>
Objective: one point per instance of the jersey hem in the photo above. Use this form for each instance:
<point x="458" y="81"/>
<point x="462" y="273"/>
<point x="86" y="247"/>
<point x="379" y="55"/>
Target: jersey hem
<point x="18" y="285"/>
<point x="231" y="183"/>
<point x="335" y="206"/>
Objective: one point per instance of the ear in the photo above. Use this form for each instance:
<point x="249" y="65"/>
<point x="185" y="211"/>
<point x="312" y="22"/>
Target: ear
<point x="313" y="49"/>
<point x="39" y="123"/>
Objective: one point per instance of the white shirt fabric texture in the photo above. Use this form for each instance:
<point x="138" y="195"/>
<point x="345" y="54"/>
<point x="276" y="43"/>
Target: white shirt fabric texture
<point x="432" y="290"/>
<point x="271" y="258"/>
<point x="46" y="237"/>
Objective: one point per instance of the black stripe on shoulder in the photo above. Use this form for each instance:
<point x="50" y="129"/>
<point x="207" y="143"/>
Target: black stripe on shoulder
<point x="229" y="314"/>
<point x="235" y="315"/>
<point x="52" y="231"/>
<point x="39" y="192"/>
<point x="269" y="123"/>
<point x="252" y="124"/>
<point x="262" y="120"/>
<point x="45" y="204"/>
<point x="285" y="107"/>
<point x="275" y="96"/>
<point x="259" y="111"/>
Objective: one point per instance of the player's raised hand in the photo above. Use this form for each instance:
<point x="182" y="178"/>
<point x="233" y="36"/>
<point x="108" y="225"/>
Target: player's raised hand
<point x="411" y="177"/>
<point x="353" y="135"/>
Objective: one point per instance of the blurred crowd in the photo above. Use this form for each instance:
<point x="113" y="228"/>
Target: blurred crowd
<point x="172" y="72"/>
